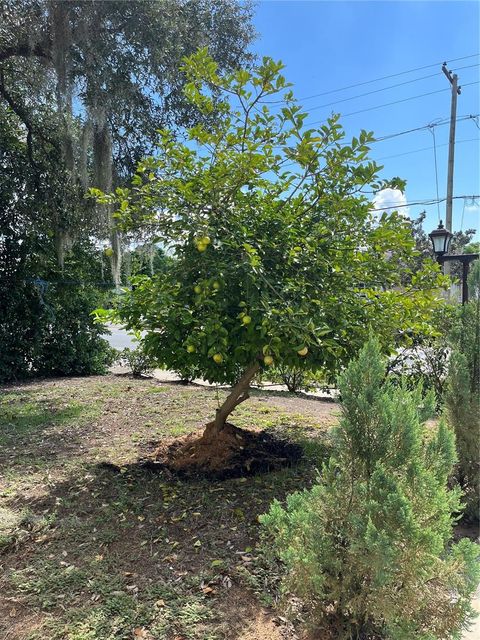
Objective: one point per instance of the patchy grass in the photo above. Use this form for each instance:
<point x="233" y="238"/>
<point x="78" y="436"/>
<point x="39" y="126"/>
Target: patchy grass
<point x="88" y="553"/>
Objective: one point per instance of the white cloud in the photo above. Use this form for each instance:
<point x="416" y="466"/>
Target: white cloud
<point x="390" y="200"/>
<point x="472" y="208"/>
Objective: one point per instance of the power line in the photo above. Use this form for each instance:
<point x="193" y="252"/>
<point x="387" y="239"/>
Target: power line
<point x="432" y="131"/>
<point x="392" y="86"/>
<point x="40" y="282"/>
<point x="368" y="93"/>
<point x="389" y="104"/>
<point x="361" y="84"/>
<point x="407" y="153"/>
<point x="424" y="203"/>
<point x="430" y="126"/>
<point x="438" y="123"/>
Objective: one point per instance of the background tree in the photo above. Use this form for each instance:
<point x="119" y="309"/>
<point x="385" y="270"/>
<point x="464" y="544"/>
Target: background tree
<point x="461" y="242"/>
<point x="105" y="77"/>
<point x="83" y="88"/>
<point x="278" y="256"/>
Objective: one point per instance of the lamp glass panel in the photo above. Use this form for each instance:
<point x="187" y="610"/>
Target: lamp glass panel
<point x="448" y="240"/>
<point x="439" y="242"/>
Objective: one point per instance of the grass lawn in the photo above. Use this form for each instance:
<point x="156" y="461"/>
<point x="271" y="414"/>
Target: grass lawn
<point x="91" y="553"/>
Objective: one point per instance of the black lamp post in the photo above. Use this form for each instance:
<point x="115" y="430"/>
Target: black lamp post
<point x="441" y="239"/>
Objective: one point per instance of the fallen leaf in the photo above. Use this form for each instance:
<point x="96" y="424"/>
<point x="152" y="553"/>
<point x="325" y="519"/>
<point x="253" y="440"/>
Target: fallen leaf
<point x="216" y="563"/>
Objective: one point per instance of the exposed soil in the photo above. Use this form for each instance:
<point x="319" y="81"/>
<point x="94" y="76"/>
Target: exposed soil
<point x="232" y="453"/>
<point x="87" y="554"/>
<point x="91" y="554"/>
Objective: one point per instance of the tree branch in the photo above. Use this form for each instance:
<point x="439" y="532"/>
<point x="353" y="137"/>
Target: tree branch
<point x="25" y="50"/>
<point x="22" y="114"/>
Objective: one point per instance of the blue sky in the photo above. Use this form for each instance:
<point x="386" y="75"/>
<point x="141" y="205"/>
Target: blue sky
<point x="333" y="44"/>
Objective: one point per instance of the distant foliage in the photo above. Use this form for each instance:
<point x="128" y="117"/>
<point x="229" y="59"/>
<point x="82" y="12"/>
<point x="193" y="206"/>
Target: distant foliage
<point x="461" y="243"/>
<point x="71" y="343"/>
<point x="296" y="379"/>
<point x="145" y="260"/>
<point x="425" y="361"/>
<point x="463" y="401"/>
<point x="368" y="550"/>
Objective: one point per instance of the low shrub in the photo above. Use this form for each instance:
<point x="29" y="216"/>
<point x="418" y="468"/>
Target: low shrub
<point x="137" y="360"/>
<point x="425" y="361"/>
<point x="48" y="330"/>
<point x="295" y="379"/>
<point x="367" y="552"/>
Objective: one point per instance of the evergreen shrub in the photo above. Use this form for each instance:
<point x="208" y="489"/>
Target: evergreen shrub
<point x="137" y="360"/>
<point x="368" y="552"/>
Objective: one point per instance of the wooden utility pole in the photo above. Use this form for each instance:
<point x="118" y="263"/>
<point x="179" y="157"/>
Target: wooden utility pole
<point x="456" y="90"/>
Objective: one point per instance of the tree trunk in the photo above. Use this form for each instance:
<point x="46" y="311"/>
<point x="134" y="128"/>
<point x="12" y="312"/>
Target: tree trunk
<point x="238" y="394"/>
<point x="116" y="258"/>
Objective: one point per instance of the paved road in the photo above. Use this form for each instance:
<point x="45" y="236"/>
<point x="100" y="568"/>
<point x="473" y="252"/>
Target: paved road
<point x="119" y="338"/>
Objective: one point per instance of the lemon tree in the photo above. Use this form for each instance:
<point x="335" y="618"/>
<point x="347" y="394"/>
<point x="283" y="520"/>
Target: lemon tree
<point x="278" y="257"/>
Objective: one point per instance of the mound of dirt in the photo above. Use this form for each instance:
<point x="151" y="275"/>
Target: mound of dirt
<point x="232" y="453"/>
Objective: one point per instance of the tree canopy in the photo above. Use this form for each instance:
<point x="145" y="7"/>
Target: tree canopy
<point x="278" y="256"/>
<point x="83" y="88"/>
<point x="104" y="77"/>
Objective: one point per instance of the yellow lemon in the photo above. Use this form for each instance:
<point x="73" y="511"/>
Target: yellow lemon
<point x="268" y="360"/>
<point x="191" y="348"/>
<point x="246" y="319"/>
<point x="108" y="251"/>
<point x="303" y="351"/>
<point x="218" y="358"/>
